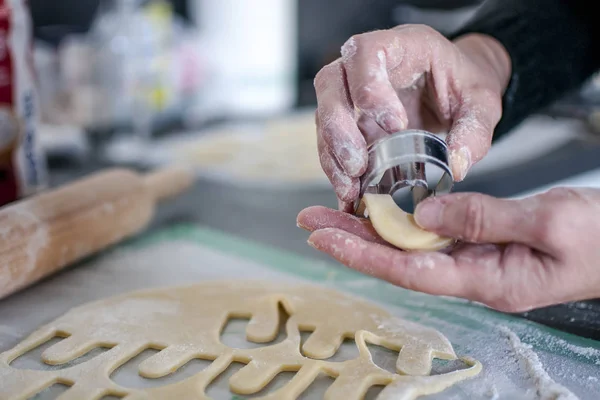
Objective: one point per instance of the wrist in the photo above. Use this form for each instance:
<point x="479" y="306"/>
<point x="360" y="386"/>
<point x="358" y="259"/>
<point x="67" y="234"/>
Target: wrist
<point x="489" y="55"/>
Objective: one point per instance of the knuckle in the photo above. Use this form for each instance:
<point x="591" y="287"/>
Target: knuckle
<point x="413" y="27"/>
<point x="365" y="97"/>
<point x="423" y="28"/>
<point x="368" y="40"/>
<point x="360" y="40"/>
<point x="426" y="32"/>
<point x="350" y="46"/>
<point x="475" y="218"/>
<point x="326" y="75"/>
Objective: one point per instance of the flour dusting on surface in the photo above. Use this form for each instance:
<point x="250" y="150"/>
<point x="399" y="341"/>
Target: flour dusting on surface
<point x="546" y="387"/>
<point x="589" y="353"/>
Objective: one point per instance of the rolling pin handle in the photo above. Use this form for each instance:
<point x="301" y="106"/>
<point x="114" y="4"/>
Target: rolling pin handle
<point x="168" y="182"/>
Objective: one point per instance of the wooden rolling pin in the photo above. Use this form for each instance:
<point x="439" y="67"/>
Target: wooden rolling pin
<point x="45" y="233"/>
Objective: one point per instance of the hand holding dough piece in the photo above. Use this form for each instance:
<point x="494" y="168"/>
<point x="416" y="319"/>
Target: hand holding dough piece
<point x="398" y="227"/>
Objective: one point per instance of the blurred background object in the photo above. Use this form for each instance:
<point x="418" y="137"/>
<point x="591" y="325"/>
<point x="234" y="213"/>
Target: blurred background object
<point x="23" y="167"/>
<point x="252" y="51"/>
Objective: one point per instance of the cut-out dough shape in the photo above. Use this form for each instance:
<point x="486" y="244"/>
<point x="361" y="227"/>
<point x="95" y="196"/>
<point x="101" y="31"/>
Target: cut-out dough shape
<point x="186" y="322"/>
<point x="398" y="227"/>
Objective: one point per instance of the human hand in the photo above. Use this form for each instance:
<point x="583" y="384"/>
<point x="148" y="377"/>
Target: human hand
<point x="512" y="255"/>
<point x="409" y="77"/>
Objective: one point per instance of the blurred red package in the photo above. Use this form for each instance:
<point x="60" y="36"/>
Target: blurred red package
<point x="23" y="169"/>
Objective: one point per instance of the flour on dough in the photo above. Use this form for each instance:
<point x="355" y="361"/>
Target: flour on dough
<point x="398" y="227"/>
<point x="185" y="323"/>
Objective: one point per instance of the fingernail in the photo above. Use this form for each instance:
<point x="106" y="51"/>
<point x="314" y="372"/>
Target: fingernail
<point x="311" y="243"/>
<point x="428" y="214"/>
<point x="390" y="122"/>
<point x="460" y="161"/>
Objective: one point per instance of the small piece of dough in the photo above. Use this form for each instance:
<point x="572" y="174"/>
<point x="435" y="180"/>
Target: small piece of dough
<point x="398" y="227"/>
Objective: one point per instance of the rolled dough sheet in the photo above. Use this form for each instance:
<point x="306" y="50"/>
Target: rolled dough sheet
<point x="185" y="323"/>
<point x="398" y="227"/>
<point x="280" y="152"/>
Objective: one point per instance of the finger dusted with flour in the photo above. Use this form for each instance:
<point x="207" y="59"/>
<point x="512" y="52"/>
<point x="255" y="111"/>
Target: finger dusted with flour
<point x="342" y="149"/>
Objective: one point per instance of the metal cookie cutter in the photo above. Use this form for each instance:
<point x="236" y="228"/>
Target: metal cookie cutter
<point x="399" y="161"/>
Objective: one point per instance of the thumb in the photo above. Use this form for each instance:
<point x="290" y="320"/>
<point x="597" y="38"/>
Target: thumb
<point x="477" y="218"/>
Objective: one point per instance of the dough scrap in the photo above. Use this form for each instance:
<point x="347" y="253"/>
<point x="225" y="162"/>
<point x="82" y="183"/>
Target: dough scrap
<point x="398" y="227"/>
<point x="186" y="322"/>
